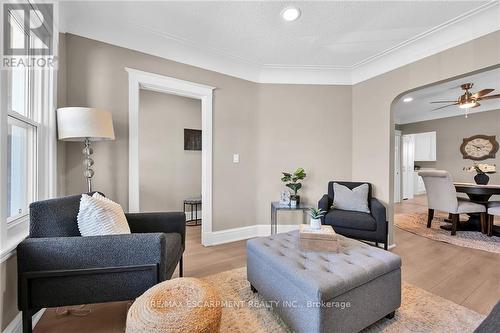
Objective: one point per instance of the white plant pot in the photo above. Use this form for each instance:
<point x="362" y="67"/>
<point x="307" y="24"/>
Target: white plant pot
<point x="315" y="224"/>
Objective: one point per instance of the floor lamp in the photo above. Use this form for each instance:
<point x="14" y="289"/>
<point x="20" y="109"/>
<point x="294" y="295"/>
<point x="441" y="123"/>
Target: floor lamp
<point x="87" y="125"/>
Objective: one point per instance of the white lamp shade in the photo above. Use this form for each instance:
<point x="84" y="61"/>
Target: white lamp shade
<point x="78" y="124"/>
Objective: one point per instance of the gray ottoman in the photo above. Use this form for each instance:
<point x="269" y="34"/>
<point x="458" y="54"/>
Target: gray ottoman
<point x="325" y="291"/>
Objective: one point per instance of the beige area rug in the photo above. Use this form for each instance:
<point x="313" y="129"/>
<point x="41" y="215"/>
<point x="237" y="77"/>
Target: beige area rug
<point x="420" y="311"/>
<point x="417" y="223"/>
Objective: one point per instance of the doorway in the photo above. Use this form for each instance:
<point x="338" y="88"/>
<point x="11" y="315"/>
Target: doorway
<point x="170" y="156"/>
<point x="408" y="165"/>
<point x="140" y="80"/>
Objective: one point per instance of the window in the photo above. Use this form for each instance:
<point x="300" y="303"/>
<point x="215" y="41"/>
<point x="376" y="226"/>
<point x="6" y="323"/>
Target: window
<point x="21" y="167"/>
<point x="22" y="124"/>
<point x="27" y="140"/>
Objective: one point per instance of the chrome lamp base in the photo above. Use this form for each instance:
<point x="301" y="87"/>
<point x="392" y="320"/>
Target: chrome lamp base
<point x="88" y="162"/>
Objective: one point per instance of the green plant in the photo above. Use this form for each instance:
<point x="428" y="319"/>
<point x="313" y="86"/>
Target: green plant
<point x="478" y="169"/>
<point x="481" y="168"/>
<point x="316" y="213"/>
<point x="292" y="179"/>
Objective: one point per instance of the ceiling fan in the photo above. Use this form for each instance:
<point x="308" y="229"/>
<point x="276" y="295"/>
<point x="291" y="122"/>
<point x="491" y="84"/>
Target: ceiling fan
<point x="469" y="100"/>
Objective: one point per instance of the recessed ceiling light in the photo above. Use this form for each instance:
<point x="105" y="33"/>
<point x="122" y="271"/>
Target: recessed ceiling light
<point x="290" y="14"/>
<point x="408" y="99"/>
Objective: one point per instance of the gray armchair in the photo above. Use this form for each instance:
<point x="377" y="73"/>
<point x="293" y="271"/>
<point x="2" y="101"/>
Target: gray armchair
<point x="364" y="226"/>
<point x="58" y="267"/>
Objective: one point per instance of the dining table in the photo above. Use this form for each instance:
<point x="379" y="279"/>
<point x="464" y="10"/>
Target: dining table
<point x="480" y="194"/>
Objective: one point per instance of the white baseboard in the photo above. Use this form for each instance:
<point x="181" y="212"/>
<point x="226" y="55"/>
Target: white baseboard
<point x="236" y="234"/>
<point x="16" y="325"/>
<point x="260" y="230"/>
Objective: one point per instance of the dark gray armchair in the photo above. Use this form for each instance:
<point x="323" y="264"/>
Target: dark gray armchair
<point x="365" y="226"/>
<point x="58" y="267"/>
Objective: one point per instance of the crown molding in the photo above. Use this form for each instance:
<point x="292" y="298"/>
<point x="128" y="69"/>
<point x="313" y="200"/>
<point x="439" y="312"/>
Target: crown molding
<point x="132" y="36"/>
<point x="462" y="29"/>
<point x="471" y="25"/>
<point x="300" y="74"/>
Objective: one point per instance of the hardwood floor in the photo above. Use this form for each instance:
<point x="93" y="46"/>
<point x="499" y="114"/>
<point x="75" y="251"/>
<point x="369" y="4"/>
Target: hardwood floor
<point x="202" y="261"/>
<point x="465" y="276"/>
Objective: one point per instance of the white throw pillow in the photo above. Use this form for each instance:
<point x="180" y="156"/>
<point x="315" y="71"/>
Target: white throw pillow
<point x="100" y="216"/>
<point x="346" y="199"/>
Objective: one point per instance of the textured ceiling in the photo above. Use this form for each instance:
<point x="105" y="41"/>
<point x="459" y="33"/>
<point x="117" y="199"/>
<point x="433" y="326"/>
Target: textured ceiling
<point x="335" y="36"/>
<point x="420" y="108"/>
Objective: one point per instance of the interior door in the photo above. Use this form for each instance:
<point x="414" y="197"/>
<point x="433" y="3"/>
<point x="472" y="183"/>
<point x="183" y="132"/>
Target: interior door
<point x="397" y="166"/>
<point x="408" y="165"/>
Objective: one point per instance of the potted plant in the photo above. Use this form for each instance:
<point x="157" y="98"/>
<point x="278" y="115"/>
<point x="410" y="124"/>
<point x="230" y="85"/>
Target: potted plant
<point x="482" y="169"/>
<point x="292" y="182"/>
<point x="316" y="214"/>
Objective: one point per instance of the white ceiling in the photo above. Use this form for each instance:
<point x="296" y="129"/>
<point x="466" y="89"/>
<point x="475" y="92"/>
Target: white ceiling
<point x="341" y="42"/>
<point x="420" y="108"/>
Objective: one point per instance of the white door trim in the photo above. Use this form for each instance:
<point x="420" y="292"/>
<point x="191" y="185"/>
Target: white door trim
<point x="397" y="165"/>
<point x="150" y="81"/>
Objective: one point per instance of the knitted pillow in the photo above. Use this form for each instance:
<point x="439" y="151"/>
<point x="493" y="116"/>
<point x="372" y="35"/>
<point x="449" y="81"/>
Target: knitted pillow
<point x="100" y="216"/>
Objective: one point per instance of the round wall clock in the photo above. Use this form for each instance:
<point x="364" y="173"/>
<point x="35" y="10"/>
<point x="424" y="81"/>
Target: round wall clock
<point x="479" y="147"/>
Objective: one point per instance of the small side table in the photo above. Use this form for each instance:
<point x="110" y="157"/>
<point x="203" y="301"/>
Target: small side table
<point x="276" y="206"/>
<point x="193" y="203"/>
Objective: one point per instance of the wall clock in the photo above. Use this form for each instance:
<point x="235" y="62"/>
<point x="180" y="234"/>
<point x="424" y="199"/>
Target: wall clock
<point x="479" y="147"/>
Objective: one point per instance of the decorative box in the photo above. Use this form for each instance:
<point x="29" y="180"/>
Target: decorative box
<point x="322" y="240"/>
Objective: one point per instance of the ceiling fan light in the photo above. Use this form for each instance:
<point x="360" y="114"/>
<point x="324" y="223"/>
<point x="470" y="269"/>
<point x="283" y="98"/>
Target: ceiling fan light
<point x="468" y="105"/>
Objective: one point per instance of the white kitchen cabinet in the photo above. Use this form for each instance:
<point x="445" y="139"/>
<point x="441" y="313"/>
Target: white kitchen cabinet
<point x="425" y="146"/>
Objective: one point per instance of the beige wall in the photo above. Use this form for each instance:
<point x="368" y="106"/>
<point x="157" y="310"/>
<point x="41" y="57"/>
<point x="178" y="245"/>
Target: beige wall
<point x="301" y="126"/>
<point x="61" y="102"/>
<point x="97" y="78"/>
<point x="373" y="124"/>
<point x="8" y="291"/>
<point x="252" y="120"/>
<point x="449" y="136"/>
<point x="272" y="127"/>
<point x="168" y="174"/>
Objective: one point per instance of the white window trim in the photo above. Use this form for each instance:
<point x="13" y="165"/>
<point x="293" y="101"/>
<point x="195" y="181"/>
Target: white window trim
<point x="14" y="232"/>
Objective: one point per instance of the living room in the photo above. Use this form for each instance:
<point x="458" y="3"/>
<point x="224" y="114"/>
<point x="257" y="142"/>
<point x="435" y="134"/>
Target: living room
<point x="277" y="94"/>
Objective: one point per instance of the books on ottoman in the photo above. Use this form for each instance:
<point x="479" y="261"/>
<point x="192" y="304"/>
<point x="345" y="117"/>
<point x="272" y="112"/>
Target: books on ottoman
<point x="322" y="240"/>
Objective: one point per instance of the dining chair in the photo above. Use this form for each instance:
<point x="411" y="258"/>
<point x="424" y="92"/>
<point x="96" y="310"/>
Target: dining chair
<point x="442" y="195"/>
<point x="493" y="210"/>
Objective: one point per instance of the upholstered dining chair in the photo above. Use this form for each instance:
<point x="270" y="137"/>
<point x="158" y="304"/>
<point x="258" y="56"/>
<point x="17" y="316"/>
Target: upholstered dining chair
<point x="442" y="195"/>
<point x="493" y="210"/>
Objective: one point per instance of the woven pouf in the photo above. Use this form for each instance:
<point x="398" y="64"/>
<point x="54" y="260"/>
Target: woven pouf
<point x="178" y="305"/>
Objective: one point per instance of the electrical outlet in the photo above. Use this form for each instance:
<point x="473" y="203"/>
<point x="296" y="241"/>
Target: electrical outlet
<point x="236" y="158"/>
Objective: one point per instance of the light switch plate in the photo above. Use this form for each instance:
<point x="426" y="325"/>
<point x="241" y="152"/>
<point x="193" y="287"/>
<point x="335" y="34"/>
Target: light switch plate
<point x="236" y="158"/>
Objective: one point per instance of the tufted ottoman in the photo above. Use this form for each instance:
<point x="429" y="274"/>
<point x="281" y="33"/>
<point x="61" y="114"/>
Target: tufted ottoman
<point x="325" y="291"/>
